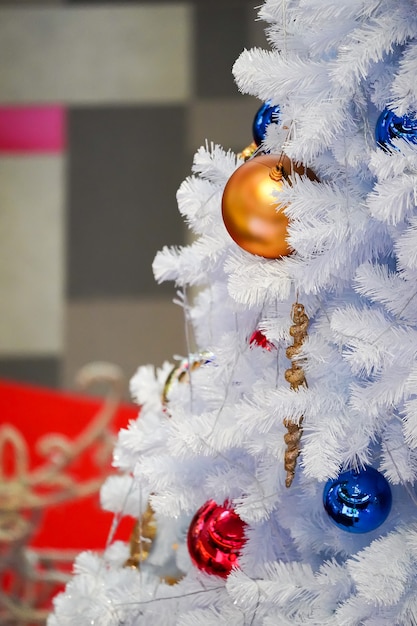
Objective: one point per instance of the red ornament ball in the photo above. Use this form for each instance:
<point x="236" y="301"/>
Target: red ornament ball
<point x="215" y="538"/>
<point x="258" y="339"/>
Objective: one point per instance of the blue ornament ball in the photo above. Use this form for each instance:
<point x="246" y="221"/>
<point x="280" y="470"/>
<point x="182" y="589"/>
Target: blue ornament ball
<point x="265" y="115"/>
<point x="389" y="127"/>
<point x="358" y="501"/>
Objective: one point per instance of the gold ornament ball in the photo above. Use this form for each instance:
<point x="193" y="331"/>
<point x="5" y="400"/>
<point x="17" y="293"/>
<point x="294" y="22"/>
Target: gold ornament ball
<point x="253" y="217"/>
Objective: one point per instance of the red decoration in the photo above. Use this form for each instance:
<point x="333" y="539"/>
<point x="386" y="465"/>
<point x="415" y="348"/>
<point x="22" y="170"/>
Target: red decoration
<point x="55" y="534"/>
<point x="258" y="338"/>
<point x="215" y="538"/>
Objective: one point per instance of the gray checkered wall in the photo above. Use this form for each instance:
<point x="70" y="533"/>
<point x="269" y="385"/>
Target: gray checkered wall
<point x="143" y="86"/>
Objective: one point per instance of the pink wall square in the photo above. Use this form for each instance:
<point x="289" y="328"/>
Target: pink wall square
<point x="32" y="129"/>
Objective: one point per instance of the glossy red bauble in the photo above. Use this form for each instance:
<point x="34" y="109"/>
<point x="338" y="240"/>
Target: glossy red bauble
<point x="258" y="339"/>
<point x="215" y="538"/>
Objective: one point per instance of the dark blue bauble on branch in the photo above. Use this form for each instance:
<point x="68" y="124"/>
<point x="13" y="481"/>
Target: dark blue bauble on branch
<point x="390" y="127"/>
<point x="265" y="116"/>
<point x="358" y="501"/>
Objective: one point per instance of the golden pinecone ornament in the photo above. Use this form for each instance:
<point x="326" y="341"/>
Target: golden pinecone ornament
<point x="295" y="376"/>
<point x="141" y="539"/>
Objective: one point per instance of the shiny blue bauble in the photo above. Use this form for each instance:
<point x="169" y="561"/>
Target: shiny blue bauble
<point x="265" y="116"/>
<point x="358" y="501"/>
<point x="389" y="127"/>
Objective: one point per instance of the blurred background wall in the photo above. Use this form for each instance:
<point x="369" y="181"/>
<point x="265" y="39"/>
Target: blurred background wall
<point x="102" y="106"/>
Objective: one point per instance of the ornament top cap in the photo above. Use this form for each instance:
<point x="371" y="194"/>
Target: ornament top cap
<point x="280" y="167"/>
<point x="277" y="172"/>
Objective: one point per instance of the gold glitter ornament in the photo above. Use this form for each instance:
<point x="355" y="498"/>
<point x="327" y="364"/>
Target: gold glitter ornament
<point x="181" y="373"/>
<point x="141" y="539"/>
<point x="248" y="151"/>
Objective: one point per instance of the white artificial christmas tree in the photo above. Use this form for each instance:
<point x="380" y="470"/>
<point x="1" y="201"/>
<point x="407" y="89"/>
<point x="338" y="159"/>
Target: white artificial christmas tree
<point x="224" y="433"/>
